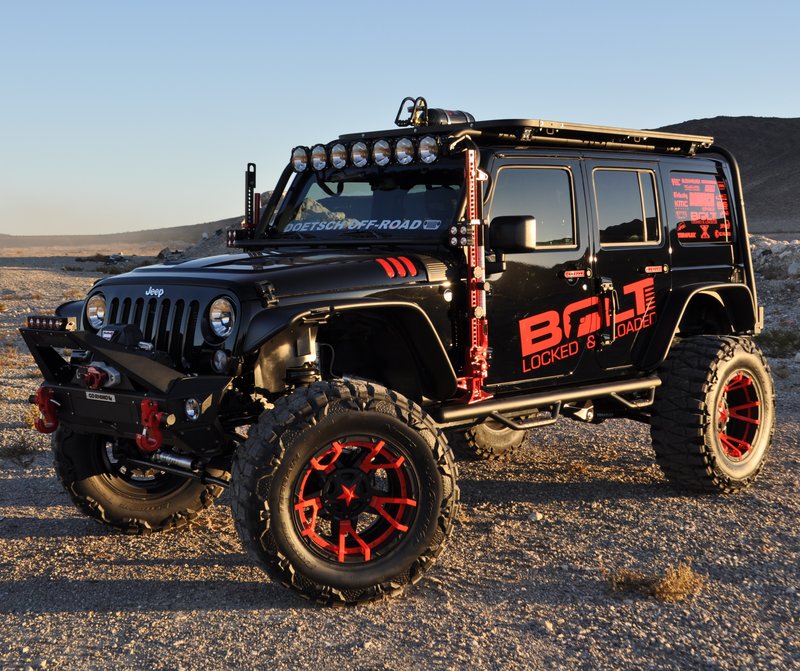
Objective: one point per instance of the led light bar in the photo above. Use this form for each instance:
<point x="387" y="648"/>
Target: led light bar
<point x="381" y="152"/>
<point x="51" y="323"/>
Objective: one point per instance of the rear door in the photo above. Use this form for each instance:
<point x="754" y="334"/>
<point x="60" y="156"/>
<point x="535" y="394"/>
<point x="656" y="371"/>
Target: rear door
<point x="632" y="253"/>
<point x="543" y="305"/>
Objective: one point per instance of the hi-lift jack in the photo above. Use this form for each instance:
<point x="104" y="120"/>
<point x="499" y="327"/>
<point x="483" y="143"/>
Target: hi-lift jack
<point x="476" y="366"/>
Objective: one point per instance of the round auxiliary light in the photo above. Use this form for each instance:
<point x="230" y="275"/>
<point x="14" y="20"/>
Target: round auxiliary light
<point x="299" y="159"/>
<point x="221" y="317"/>
<point x="381" y="153"/>
<point x="319" y="158"/>
<point x="192" y="409"/>
<point x="338" y="155"/>
<point x="404" y="151"/>
<point x="428" y="149"/>
<point x="96" y="311"/>
<point x="359" y="154"/>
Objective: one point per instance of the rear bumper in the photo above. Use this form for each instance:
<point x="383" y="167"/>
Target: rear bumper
<point x="116" y="411"/>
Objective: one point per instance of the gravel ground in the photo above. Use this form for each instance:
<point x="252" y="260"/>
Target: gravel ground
<point x="523" y="584"/>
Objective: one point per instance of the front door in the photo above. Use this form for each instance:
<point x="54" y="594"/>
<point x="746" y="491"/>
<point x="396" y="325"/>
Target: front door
<point x="543" y="306"/>
<point x="631" y="250"/>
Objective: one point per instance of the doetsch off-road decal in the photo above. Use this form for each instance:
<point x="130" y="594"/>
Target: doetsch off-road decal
<point x="552" y="336"/>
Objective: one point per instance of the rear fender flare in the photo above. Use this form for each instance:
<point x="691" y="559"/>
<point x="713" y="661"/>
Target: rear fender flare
<point x="734" y="300"/>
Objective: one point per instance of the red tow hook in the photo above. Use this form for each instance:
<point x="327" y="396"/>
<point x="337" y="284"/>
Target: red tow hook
<point x="95" y="378"/>
<point x="151" y="438"/>
<point x="47" y="422"/>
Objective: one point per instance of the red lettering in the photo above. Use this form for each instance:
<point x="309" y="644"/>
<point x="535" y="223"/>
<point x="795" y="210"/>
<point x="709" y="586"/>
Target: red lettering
<point x="539" y="332"/>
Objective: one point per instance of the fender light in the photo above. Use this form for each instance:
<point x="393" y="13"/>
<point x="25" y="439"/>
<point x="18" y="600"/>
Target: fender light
<point x="50" y="323"/>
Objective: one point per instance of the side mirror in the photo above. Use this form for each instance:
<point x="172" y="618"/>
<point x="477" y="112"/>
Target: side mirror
<point x="513" y="234"/>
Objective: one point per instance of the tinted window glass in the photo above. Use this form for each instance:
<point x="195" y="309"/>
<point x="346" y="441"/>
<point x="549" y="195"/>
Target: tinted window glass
<point x="544" y="193"/>
<point x="626" y="207"/>
<point x="700" y="208"/>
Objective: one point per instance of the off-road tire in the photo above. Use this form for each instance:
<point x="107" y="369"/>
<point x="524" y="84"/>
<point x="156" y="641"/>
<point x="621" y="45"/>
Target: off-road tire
<point x="714" y="414"/>
<point x="104" y="491"/>
<point x="492" y="442"/>
<point x="288" y="448"/>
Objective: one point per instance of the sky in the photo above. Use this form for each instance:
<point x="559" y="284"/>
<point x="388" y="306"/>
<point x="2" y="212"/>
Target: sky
<point x="121" y="115"/>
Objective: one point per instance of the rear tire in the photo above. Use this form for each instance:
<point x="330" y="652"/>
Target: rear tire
<point x="344" y="491"/>
<point x="132" y="501"/>
<point x="490" y="441"/>
<point x="714" y="414"/>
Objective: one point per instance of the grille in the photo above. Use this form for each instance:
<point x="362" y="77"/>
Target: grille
<point x="169" y="325"/>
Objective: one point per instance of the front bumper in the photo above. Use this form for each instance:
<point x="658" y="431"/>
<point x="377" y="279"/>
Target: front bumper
<point x="117" y="411"/>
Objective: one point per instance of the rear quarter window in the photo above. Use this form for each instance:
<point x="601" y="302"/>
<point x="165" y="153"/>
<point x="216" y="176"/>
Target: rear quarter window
<point x="700" y="208"/>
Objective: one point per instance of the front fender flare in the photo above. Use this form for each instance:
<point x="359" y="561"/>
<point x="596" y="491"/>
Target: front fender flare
<point x="437" y="374"/>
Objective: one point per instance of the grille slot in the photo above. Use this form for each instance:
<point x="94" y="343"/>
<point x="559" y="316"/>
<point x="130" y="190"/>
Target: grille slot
<point x="169" y="325"/>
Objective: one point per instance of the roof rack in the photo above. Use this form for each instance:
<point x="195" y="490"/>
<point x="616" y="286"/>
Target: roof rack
<point x="523" y="132"/>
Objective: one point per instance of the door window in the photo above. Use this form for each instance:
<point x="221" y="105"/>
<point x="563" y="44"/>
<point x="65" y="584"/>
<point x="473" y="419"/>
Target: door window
<point x="543" y="193"/>
<point x="626" y="207"/>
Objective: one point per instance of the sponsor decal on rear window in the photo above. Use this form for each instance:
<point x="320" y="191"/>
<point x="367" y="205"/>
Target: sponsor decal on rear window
<point x="701" y="209"/>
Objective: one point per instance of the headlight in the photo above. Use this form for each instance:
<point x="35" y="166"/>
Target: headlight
<point x="359" y="154"/>
<point x="428" y="149"/>
<point x="404" y="151"/>
<point x="381" y="153"/>
<point x="96" y="311"/>
<point x="299" y="159"/>
<point x="221" y="317"/>
<point x="338" y="156"/>
<point x="319" y="158"/>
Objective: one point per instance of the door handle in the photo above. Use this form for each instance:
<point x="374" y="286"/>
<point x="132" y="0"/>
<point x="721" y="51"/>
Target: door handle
<point x="609" y="300"/>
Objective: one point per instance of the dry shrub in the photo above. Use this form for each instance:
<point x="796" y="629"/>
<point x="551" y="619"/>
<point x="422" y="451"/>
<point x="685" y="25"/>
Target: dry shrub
<point x="675" y="585"/>
<point x="36" y="296"/>
<point x="2" y="307"/>
<point x="779" y="342"/>
<point x="20" y="452"/>
<point x="73" y="294"/>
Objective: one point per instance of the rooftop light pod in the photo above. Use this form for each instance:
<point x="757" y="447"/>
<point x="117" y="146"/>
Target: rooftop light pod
<point x="338" y="155"/>
<point x="381" y="153"/>
<point x="359" y="154"/>
<point x="319" y="157"/>
<point x="299" y="158"/>
<point x="428" y="149"/>
<point x="404" y="151"/>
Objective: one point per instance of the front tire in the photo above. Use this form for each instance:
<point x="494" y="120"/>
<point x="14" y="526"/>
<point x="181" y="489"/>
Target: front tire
<point x="130" y="500"/>
<point x="344" y="491"/>
<point x="714" y="414"/>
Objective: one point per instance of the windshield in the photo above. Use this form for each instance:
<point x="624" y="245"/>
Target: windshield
<point x="395" y="202"/>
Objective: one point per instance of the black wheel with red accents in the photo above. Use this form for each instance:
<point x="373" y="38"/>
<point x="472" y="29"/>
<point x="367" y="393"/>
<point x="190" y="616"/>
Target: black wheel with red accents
<point x="344" y="491"/>
<point x="714" y="414"/>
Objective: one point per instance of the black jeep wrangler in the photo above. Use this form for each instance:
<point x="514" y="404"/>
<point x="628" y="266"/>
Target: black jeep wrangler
<point x="446" y="278"/>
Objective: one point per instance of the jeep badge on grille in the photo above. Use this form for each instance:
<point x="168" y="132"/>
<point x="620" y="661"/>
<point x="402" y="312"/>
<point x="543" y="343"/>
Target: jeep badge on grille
<point x="158" y="293"/>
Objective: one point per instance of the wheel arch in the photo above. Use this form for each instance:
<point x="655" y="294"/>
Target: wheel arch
<point x="701" y="309"/>
<point x="403" y="349"/>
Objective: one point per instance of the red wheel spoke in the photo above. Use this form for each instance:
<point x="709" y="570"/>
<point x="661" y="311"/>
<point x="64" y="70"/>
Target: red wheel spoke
<point x="368" y="464"/>
<point x="320" y="465"/>
<point x="310" y="526"/>
<point x="346" y="529"/>
<point x="734" y="446"/>
<point x="734" y="413"/>
<point x="738" y="383"/>
<point x="378" y="503"/>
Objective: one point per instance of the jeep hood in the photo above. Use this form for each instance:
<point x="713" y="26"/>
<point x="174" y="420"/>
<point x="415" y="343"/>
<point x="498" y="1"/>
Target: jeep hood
<point x="290" y="274"/>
